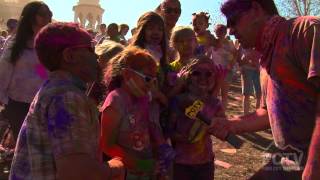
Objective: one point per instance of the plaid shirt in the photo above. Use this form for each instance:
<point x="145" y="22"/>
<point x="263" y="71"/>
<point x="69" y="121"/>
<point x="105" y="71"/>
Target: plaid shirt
<point x="61" y="121"/>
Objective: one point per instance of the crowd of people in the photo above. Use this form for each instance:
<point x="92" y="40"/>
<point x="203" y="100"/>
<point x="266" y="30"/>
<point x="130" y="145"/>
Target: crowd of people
<point x="87" y="105"/>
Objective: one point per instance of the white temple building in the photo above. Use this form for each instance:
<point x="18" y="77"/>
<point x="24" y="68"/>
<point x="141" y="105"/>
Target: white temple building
<point x="88" y="13"/>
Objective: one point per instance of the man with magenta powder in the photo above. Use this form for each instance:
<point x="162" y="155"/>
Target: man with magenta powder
<point x="291" y="66"/>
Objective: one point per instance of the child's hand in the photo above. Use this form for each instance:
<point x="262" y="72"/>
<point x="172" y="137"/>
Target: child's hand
<point x="117" y="170"/>
<point x="166" y="157"/>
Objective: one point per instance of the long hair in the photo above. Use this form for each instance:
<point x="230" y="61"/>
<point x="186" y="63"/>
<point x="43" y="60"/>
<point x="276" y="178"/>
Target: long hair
<point x="139" y="39"/>
<point x="25" y="29"/>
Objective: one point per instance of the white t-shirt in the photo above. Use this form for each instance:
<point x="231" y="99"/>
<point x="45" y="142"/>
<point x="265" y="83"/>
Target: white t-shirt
<point x="223" y="55"/>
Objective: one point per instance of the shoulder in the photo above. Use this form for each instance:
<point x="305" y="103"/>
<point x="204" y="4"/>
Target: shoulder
<point x="115" y="99"/>
<point x="115" y="94"/>
<point x="63" y="93"/>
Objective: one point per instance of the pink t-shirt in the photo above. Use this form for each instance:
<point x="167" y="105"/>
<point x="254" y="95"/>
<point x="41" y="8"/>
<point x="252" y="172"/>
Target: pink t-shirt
<point x="139" y="132"/>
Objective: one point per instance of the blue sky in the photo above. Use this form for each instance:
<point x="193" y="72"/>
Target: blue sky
<point x="128" y="11"/>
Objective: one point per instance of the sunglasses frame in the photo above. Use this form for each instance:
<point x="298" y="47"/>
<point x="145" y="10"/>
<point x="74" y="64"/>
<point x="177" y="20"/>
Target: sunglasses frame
<point x="146" y="78"/>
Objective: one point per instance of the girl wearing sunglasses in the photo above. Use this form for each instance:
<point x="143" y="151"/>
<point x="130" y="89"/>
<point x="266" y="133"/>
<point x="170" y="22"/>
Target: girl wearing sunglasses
<point x="128" y="127"/>
<point x="190" y="137"/>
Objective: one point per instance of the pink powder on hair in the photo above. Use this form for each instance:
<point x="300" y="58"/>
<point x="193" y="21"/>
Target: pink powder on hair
<point x="41" y="71"/>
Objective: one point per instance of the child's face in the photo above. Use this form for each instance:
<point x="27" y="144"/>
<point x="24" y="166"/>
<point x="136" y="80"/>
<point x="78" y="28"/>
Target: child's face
<point x="200" y="25"/>
<point x="140" y="82"/>
<point x="186" y="46"/>
<point x="202" y="79"/>
<point x="221" y="33"/>
<point x="153" y="34"/>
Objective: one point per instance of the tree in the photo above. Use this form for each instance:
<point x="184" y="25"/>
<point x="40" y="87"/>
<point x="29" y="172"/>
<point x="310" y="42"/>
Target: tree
<point x="293" y="8"/>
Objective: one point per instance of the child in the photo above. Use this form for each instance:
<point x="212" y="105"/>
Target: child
<point x="150" y="35"/>
<point x="183" y="39"/>
<point x="200" y="22"/>
<point x="224" y="54"/>
<point x="190" y="136"/>
<point x="59" y="137"/>
<point x="128" y="129"/>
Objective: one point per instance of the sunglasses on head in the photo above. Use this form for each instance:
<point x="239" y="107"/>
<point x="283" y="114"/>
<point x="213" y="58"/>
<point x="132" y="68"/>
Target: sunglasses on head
<point x="172" y="10"/>
<point x="206" y="74"/>
<point x="146" y="78"/>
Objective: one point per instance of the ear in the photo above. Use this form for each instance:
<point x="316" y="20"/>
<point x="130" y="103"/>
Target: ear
<point x="68" y="56"/>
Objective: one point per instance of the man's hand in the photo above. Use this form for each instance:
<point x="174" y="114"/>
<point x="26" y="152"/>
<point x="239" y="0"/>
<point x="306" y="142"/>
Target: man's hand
<point x="116" y="168"/>
<point x="220" y="127"/>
